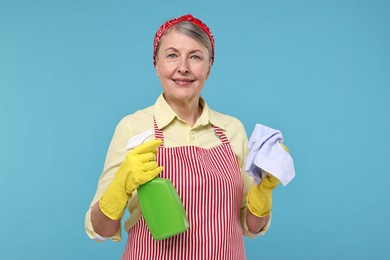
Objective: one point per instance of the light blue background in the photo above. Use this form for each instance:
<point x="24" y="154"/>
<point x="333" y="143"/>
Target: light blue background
<point x="317" y="70"/>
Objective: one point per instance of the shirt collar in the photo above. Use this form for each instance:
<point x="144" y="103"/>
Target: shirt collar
<point x="164" y="114"/>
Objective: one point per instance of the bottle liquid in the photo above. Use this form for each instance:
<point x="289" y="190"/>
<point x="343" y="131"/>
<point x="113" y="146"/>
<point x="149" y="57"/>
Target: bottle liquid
<point x="162" y="208"/>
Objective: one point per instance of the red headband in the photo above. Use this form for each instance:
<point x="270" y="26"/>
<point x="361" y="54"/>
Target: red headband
<point x="189" y="18"/>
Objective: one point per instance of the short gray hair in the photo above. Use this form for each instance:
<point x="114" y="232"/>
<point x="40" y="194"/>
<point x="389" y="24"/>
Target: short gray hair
<point x="193" y="31"/>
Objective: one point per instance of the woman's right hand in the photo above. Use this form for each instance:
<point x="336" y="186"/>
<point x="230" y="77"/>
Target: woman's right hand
<point x="139" y="167"/>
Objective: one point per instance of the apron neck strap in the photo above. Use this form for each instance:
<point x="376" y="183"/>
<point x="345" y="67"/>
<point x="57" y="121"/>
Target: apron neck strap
<point x="220" y="134"/>
<point x="158" y="133"/>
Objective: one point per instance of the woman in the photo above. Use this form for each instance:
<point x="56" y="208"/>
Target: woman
<point x="200" y="150"/>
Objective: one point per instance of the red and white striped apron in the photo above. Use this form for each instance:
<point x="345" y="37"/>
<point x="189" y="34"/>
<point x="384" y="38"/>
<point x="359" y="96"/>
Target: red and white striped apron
<point x="210" y="186"/>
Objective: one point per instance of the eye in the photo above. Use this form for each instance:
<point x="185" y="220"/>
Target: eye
<point x="196" y="57"/>
<point x="172" y="55"/>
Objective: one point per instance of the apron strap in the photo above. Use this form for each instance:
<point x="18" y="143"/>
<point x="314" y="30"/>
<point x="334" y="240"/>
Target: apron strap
<point x="220" y="134"/>
<point x="158" y="133"/>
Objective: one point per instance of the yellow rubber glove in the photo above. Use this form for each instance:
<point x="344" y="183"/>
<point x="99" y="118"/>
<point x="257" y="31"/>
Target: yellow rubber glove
<point x="139" y="167"/>
<point x="259" y="199"/>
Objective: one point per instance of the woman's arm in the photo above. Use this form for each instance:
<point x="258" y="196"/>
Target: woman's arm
<point x="139" y="167"/>
<point x="259" y="200"/>
<point x="256" y="224"/>
<point x="102" y="224"/>
<point x="116" y="154"/>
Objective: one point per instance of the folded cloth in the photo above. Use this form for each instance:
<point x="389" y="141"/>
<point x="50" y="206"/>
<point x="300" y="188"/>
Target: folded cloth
<point x="266" y="154"/>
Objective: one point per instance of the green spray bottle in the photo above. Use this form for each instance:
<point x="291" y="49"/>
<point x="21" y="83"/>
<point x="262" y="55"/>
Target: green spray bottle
<point x="160" y="203"/>
<point x="162" y="208"/>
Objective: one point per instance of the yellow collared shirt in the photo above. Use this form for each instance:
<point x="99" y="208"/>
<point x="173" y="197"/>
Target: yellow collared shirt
<point x="176" y="133"/>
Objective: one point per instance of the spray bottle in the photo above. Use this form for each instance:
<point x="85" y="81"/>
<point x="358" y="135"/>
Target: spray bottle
<point x="160" y="203"/>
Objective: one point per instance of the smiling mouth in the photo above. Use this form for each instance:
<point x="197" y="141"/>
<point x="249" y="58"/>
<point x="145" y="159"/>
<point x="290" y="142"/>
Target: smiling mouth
<point x="183" y="81"/>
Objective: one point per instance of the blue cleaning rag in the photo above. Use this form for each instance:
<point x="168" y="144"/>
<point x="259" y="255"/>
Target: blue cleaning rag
<point x="267" y="155"/>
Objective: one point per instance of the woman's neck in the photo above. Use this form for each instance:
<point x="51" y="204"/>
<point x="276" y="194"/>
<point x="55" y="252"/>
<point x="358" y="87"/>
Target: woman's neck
<point x="189" y="111"/>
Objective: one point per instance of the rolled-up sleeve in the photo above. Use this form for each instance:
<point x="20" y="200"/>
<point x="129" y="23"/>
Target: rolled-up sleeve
<point x="115" y="155"/>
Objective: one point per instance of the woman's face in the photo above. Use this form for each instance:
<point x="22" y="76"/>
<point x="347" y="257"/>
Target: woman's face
<point x="183" y="66"/>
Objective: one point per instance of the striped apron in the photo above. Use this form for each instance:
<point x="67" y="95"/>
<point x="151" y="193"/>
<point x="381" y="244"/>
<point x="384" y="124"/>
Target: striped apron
<point x="209" y="184"/>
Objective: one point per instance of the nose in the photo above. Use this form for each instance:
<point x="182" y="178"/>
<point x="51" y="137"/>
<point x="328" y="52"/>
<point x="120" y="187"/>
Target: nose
<point x="183" y="66"/>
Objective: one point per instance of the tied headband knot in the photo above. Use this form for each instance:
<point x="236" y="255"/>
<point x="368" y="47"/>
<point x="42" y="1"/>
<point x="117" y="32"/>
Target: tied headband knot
<point x="188" y="18"/>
